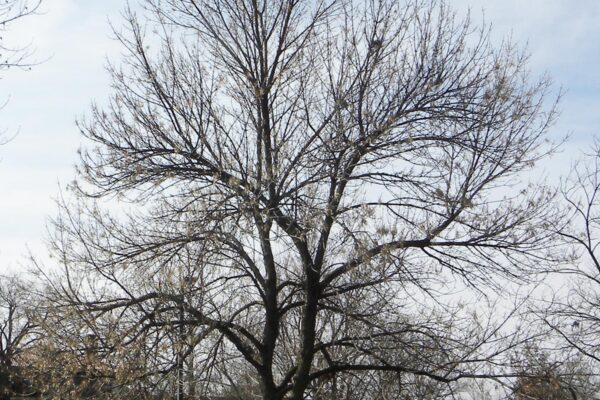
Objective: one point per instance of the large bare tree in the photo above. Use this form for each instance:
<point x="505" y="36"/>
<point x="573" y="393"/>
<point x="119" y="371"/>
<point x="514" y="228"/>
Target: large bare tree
<point x="309" y="182"/>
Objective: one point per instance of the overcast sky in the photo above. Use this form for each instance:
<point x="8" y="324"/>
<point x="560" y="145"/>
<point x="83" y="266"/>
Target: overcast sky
<point x="74" y="39"/>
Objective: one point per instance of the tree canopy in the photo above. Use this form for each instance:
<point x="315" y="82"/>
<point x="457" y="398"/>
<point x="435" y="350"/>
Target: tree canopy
<point x="308" y="182"/>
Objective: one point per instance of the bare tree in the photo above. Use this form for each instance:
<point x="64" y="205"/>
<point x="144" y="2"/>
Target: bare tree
<point x="16" y="327"/>
<point x="562" y="377"/>
<point x="574" y="315"/>
<point x="17" y="333"/>
<point x="309" y="182"/>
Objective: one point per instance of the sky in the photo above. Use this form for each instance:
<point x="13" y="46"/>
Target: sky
<point x="73" y="40"/>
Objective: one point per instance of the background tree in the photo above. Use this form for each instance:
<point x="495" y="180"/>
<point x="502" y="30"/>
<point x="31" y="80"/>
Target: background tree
<point x="550" y="375"/>
<point x="309" y="181"/>
<point x="16" y="326"/>
<point x="18" y="332"/>
<point x="573" y="314"/>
